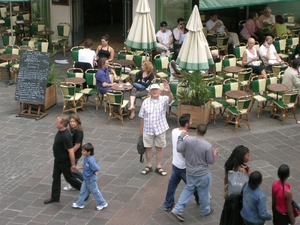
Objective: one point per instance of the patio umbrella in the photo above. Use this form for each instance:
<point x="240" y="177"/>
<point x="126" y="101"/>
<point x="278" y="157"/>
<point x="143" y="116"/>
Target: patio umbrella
<point x="194" y="53"/>
<point x="142" y="33"/>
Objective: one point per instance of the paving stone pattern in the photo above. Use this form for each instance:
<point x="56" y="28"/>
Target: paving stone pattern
<point x="27" y="161"/>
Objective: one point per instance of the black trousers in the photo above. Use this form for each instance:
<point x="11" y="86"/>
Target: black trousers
<point x="65" y="169"/>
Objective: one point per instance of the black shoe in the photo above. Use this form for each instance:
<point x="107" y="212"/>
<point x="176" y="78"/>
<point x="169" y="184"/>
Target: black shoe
<point x="168" y="209"/>
<point x="179" y="217"/>
<point x="50" y="200"/>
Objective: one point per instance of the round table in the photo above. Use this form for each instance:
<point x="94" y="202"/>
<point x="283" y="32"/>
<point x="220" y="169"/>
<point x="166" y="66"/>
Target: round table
<point x="125" y="62"/>
<point x="235" y="94"/>
<point x="122" y="87"/>
<point x="75" y="80"/>
<point x="277" y="88"/>
<point x="8" y="58"/>
<point x="232" y="69"/>
<point x="45" y="33"/>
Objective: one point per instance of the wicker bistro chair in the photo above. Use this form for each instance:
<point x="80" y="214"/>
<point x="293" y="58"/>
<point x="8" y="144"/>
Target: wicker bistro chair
<point x="71" y="100"/>
<point x="91" y="89"/>
<point x="162" y="66"/>
<point x="260" y="94"/>
<point x="118" y="69"/>
<point x="222" y="43"/>
<point x="63" y="30"/>
<point x="244" y="78"/>
<point x="217" y="101"/>
<point x="228" y="85"/>
<point x="75" y="53"/>
<point x="76" y="72"/>
<point x="240" y="111"/>
<point x="238" y="50"/>
<point x="175" y="102"/>
<point x="117" y="106"/>
<point x="286" y="105"/>
<point x="288" y="17"/>
<point x="280" y="46"/>
<point x="10" y="49"/>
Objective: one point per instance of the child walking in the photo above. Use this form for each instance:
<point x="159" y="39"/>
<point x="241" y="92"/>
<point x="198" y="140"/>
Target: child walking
<point x="89" y="185"/>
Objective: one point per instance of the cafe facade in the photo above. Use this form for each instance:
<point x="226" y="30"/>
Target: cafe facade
<point x="52" y="12"/>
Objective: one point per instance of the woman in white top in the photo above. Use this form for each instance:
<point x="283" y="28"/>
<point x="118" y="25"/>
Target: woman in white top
<point x="251" y="60"/>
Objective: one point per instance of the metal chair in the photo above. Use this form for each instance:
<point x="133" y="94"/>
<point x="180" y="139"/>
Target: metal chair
<point x="117" y="106"/>
<point x="222" y="43"/>
<point x="287" y="103"/>
<point x="235" y="114"/>
<point x="75" y="53"/>
<point x="63" y="31"/>
<point x="71" y="99"/>
<point x="91" y="88"/>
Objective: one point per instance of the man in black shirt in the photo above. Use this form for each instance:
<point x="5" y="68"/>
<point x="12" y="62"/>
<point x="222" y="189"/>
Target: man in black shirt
<point x="64" y="159"/>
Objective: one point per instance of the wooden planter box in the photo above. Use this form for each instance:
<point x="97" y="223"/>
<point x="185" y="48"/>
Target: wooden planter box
<point x="50" y="97"/>
<point x="199" y="114"/>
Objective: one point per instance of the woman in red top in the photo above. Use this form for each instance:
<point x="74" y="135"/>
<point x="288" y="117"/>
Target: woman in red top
<point x="282" y="198"/>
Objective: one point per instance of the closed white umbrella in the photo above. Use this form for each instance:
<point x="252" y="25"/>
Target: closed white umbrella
<point x="194" y="53"/>
<point x="142" y="33"/>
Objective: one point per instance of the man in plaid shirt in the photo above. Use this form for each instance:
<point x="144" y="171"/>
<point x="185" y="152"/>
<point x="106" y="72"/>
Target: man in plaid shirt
<point x="153" y="125"/>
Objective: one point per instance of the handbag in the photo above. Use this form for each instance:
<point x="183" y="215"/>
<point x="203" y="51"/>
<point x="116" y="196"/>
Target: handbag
<point x="236" y="180"/>
<point x="296" y="208"/>
<point x="141" y="148"/>
<point x="238" y="201"/>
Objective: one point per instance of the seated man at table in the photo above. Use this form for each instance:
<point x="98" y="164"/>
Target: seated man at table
<point x="268" y="53"/>
<point x="215" y="25"/>
<point x="103" y="81"/>
<point x="291" y="76"/>
<point x="164" y="37"/>
<point x="87" y="55"/>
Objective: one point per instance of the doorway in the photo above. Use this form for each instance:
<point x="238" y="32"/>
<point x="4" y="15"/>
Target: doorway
<point x="107" y="17"/>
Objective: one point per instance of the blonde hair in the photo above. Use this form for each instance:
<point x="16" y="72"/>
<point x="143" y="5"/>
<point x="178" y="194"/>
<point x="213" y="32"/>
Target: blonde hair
<point x="148" y="66"/>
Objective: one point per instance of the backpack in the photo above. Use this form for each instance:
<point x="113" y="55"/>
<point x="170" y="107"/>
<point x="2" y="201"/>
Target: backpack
<point x="140" y="148"/>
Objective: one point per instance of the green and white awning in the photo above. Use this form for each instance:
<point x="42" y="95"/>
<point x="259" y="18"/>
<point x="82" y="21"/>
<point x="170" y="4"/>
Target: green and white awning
<point x="142" y="33"/>
<point x="195" y="53"/>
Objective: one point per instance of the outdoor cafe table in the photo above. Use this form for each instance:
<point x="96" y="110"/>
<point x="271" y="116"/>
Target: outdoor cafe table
<point x="122" y="87"/>
<point x="277" y="88"/>
<point x="76" y="80"/>
<point x="124" y="63"/>
<point x="8" y="58"/>
<point x="45" y="33"/>
<point x="232" y="69"/>
<point x="236" y="94"/>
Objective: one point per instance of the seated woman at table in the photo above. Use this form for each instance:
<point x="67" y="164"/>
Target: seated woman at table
<point x="251" y="27"/>
<point x="279" y="28"/>
<point x="251" y="60"/>
<point x="291" y="76"/>
<point x="142" y="80"/>
<point x="102" y="76"/>
<point x="104" y="50"/>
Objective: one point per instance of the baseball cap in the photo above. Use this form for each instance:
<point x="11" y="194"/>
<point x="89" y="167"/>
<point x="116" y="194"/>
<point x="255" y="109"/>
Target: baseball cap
<point x="153" y="86"/>
<point x="163" y="24"/>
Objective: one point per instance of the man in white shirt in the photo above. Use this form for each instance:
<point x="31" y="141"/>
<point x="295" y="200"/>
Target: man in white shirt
<point x="87" y="55"/>
<point x="179" y="30"/>
<point x="164" y="37"/>
<point x="178" y="164"/>
<point x="217" y="26"/>
<point x="267" y="18"/>
<point x="268" y="53"/>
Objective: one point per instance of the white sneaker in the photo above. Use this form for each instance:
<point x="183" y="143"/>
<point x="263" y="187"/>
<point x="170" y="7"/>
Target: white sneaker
<point x="100" y="207"/>
<point x="68" y="187"/>
<point x="74" y="205"/>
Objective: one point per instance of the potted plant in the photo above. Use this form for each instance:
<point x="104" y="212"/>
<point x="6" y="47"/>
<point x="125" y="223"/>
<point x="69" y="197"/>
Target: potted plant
<point x="193" y="95"/>
<point x="53" y="82"/>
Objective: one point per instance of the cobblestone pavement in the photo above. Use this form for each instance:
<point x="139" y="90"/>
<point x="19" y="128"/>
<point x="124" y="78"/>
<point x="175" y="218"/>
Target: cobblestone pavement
<point x="27" y="160"/>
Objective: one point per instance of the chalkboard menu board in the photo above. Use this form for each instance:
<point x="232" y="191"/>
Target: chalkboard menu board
<point x="32" y="77"/>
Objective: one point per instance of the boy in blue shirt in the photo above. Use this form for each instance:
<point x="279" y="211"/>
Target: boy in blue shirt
<point x="89" y="185"/>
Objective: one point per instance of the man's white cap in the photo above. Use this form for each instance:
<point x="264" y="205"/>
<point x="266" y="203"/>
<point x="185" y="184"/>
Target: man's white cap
<point x="153" y="86"/>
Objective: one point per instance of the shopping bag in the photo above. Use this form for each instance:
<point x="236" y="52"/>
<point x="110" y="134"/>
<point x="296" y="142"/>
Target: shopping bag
<point x="236" y="181"/>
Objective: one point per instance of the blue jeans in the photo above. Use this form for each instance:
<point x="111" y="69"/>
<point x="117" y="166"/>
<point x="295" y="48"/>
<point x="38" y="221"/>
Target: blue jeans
<point x="90" y="186"/>
<point x="78" y="174"/>
<point x="202" y="185"/>
<point x="176" y="177"/>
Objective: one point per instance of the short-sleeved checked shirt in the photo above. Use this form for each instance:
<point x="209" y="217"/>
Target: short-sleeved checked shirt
<point x="153" y="111"/>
